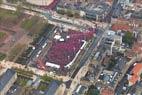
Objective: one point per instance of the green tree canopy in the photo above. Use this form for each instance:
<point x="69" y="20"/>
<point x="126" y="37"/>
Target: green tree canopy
<point x="128" y="38"/>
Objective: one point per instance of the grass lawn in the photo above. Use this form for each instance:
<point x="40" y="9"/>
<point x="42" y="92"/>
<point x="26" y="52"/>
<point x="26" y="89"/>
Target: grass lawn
<point x="24" y="72"/>
<point x="28" y="23"/>
<point x="2" y="35"/>
<point x="7" y="15"/>
<point x="16" y="51"/>
<point x="22" y="81"/>
<point x="2" y="56"/>
<point x="34" y="25"/>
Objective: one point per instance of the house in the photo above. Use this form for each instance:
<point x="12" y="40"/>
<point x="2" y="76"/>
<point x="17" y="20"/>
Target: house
<point x="137" y="48"/>
<point x="123" y="27"/>
<point x="7" y="80"/>
<point x="107" y="91"/>
<point x="135" y="74"/>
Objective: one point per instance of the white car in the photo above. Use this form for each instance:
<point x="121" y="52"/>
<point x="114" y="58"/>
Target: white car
<point x="44" y="45"/>
<point x="39" y="52"/>
<point x="37" y="55"/>
<point x="33" y="48"/>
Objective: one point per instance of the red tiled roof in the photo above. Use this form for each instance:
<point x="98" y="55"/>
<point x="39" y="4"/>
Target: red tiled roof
<point x="107" y="91"/>
<point x="137" y="48"/>
<point x="137" y="68"/>
<point x="124" y="27"/>
<point x="136" y="73"/>
<point x="134" y="79"/>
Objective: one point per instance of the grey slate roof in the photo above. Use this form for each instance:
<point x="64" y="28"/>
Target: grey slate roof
<point x="4" y="79"/>
<point x="53" y="86"/>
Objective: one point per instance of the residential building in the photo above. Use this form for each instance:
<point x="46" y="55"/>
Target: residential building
<point x="125" y="25"/>
<point x="7" y="80"/>
<point x="80" y="90"/>
<point x="125" y="2"/>
<point x="112" y="42"/>
<point x="107" y="91"/>
<point x="92" y="9"/>
<point x="137" y="48"/>
<point x="135" y="74"/>
<point x="121" y="26"/>
<point x="53" y="86"/>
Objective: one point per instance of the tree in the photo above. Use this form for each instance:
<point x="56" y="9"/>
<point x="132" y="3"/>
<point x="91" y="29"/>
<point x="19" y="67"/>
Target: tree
<point x="61" y="12"/>
<point x="46" y="78"/>
<point x="128" y="38"/>
<point x="93" y="91"/>
<point x="112" y="63"/>
<point x="2" y="56"/>
<point x="70" y="13"/>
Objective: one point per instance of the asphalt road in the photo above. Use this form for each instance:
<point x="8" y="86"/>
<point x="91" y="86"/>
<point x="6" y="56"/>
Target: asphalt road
<point x="129" y="64"/>
<point x="88" y="53"/>
<point x="40" y="44"/>
<point x="51" y="18"/>
<point x="108" y="17"/>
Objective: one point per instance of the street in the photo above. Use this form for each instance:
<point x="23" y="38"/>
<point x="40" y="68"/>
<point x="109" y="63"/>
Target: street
<point x="87" y="54"/>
